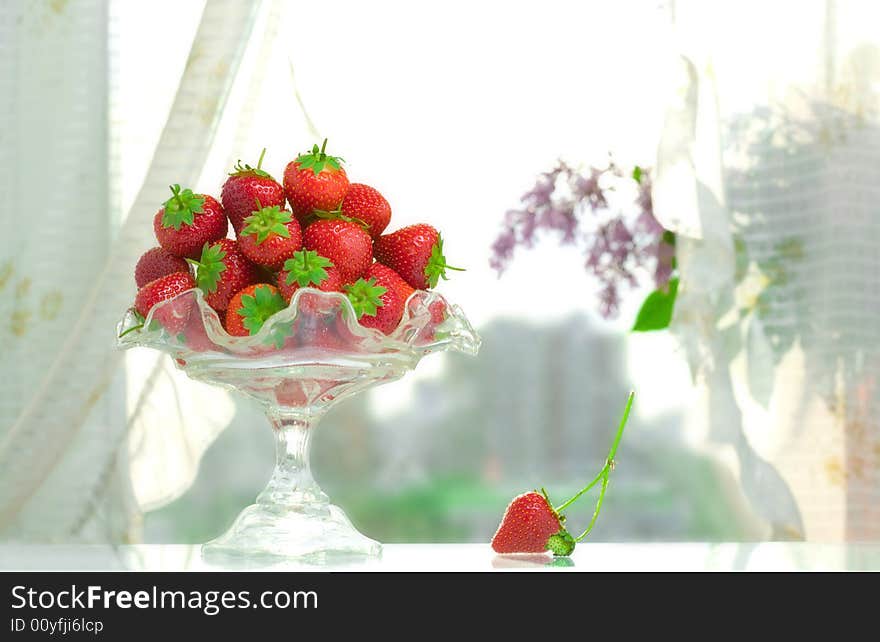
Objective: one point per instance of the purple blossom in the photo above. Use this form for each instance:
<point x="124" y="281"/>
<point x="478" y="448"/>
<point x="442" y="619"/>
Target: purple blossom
<point x="586" y="188"/>
<point x="609" y="300"/>
<point x="502" y="249"/>
<point x="620" y="243"/>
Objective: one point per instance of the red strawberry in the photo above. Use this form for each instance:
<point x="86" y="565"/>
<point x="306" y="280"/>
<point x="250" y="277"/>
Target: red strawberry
<point x="314" y="181"/>
<point x="249" y="309"/>
<point x="346" y="244"/>
<point x="415" y="253"/>
<point x="222" y="271"/>
<point x="365" y="204"/>
<point x="187" y="221"/>
<point x="308" y="269"/>
<point x="532" y="525"/>
<point x="384" y="275"/>
<point x="195" y="337"/>
<point x="376" y="305"/>
<point x="269" y="237"/>
<point x="172" y="316"/>
<point x="155" y="263"/>
<point x="244" y="188"/>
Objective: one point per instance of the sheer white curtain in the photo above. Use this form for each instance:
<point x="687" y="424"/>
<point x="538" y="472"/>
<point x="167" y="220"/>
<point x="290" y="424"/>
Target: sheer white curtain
<point x="80" y="456"/>
<point x="768" y="170"/>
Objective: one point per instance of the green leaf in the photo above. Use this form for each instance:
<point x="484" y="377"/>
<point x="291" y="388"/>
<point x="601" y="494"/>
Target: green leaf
<point x="267" y="221"/>
<point x="257" y="308"/>
<point x="437" y="265"/>
<point x="637" y="174"/>
<point x="317" y="160"/>
<point x="305" y="268"/>
<point x="210" y="267"/>
<point x="181" y="208"/>
<point x="278" y="333"/>
<point x="656" y="311"/>
<point x="247" y="170"/>
<point x="365" y="297"/>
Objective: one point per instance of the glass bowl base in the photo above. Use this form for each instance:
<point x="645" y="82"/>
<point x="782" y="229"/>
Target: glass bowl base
<point x="265" y="532"/>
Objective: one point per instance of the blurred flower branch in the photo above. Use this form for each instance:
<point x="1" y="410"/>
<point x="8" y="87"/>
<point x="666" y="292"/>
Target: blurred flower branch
<point x="608" y="213"/>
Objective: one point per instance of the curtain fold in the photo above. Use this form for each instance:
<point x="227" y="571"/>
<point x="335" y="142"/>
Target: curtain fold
<point x="64" y="458"/>
<point x="779" y="299"/>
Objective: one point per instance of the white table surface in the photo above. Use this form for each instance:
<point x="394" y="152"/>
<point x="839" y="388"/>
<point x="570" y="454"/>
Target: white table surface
<point x="775" y="556"/>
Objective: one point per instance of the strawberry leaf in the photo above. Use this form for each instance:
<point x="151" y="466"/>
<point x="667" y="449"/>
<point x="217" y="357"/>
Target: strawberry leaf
<point x="306" y="267"/>
<point x="317" y="160"/>
<point x="257" y="308"/>
<point x="182" y="207"/>
<point x="209" y="267"/>
<point x="337" y="214"/>
<point x="365" y="297"/>
<point x="247" y="170"/>
<point x="268" y="221"/>
<point x="437" y="265"/>
<point x="279" y="333"/>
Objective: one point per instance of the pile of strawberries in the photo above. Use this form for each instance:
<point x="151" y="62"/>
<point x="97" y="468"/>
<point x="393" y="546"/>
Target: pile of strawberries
<point x="314" y="230"/>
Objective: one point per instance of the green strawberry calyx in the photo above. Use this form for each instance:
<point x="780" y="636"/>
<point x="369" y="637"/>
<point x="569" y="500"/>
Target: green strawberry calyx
<point x="437" y="266"/>
<point x="338" y="215"/>
<point x="317" y="160"/>
<point x="139" y="325"/>
<point x="306" y="267"/>
<point x="562" y="543"/>
<point x="279" y="334"/>
<point x="365" y="297"/>
<point x="257" y="308"/>
<point x="267" y="221"/>
<point x="209" y="267"/>
<point x="182" y="207"/>
<point x="247" y="170"/>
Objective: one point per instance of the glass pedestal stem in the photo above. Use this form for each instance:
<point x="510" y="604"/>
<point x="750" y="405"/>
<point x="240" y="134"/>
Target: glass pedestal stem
<point x="292" y="517"/>
<point x="292" y="484"/>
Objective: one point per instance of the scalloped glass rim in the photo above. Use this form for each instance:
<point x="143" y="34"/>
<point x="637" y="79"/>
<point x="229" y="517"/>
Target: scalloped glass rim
<point x="453" y="332"/>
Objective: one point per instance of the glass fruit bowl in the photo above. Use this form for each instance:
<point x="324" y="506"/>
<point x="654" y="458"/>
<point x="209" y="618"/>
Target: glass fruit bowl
<point x="304" y="359"/>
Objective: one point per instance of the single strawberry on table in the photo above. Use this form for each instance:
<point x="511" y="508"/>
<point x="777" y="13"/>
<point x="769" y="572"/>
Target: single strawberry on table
<point x="346" y="244"/>
<point x="173" y="316"/>
<point x="376" y="305"/>
<point x="270" y="236"/>
<point x="363" y="205"/>
<point x="221" y="271"/>
<point x="307" y="268"/>
<point x="314" y="181"/>
<point x="246" y="186"/>
<point x="249" y="309"/>
<point x="155" y="263"/>
<point x="187" y="221"/>
<point x="415" y="253"/>
<point x="532" y="525"/>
